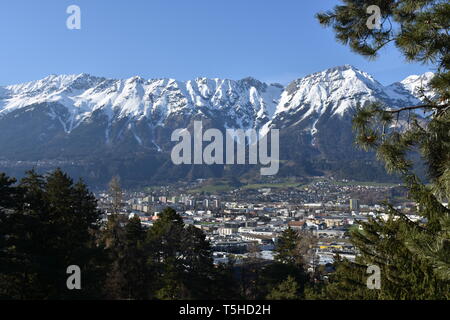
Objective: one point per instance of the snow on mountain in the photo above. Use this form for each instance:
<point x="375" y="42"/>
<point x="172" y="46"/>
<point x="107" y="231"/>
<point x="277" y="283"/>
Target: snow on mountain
<point x="247" y="103"/>
<point x="340" y="86"/>
<point x="103" y="126"/>
<point x="51" y="88"/>
<point x="416" y="85"/>
<point x="337" y="92"/>
<point x="155" y="99"/>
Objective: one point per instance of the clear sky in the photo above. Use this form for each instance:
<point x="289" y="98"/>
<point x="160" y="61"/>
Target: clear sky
<point x="271" y="40"/>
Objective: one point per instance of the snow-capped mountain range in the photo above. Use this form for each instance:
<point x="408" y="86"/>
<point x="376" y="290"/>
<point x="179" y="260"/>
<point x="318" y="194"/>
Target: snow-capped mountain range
<point x="76" y="116"/>
<point x="247" y="102"/>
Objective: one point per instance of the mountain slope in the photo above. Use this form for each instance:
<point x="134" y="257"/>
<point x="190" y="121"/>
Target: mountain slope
<point x="106" y="126"/>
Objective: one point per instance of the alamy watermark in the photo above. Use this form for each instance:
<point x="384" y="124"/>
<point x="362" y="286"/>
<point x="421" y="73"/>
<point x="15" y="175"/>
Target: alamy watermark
<point x="73" y="22"/>
<point x="221" y="150"/>
<point x="374" y="21"/>
<point x="374" y="280"/>
<point x="74" y="280"/>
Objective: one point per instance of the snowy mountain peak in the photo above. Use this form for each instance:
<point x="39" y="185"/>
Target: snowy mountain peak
<point x="347" y="71"/>
<point x="414" y="79"/>
<point x="412" y="88"/>
<point x="245" y="103"/>
<point x="79" y="117"/>
<point x="415" y="84"/>
<point x="334" y="90"/>
<point x="337" y="92"/>
<point x="53" y="83"/>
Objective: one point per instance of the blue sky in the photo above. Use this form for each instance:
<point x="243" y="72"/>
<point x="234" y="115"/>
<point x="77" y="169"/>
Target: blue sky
<point x="274" y="41"/>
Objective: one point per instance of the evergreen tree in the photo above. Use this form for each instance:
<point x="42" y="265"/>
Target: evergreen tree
<point x="7" y="191"/>
<point x="250" y="273"/>
<point x="287" y="290"/>
<point x="7" y="262"/>
<point x="21" y="226"/>
<point x="135" y="260"/>
<point x="52" y="226"/>
<point x="180" y="259"/>
<point x="262" y="280"/>
<point x="273" y="277"/>
<point x="197" y="262"/>
<point x="414" y="256"/>
<point x="128" y="276"/>
<point x="116" y="194"/>
<point x="225" y="286"/>
<point x="286" y="250"/>
<point x="348" y="282"/>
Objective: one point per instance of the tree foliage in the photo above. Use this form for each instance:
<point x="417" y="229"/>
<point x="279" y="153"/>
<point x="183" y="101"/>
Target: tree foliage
<point x="414" y="256"/>
<point x="47" y="223"/>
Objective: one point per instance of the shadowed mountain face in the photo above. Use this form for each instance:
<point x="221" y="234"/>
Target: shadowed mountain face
<point x="95" y="127"/>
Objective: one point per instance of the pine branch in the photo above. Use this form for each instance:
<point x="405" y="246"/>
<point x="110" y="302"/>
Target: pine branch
<point x="422" y="106"/>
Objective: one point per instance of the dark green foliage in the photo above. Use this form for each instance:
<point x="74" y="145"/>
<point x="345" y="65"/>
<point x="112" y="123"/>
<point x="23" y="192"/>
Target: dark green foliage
<point x="115" y="192"/>
<point x="286" y="249"/>
<point x="287" y="290"/>
<point x="48" y="223"/>
<point x="417" y="27"/>
<point x="127" y="277"/>
<point x="293" y="247"/>
<point x="348" y="282"/>
<point x="274" y="277"/>
<point x="414" y="256"/>
<point x="225" y="286"/>
<point x="403" y="275"/>
<point x="49" y="227"/>
<point x="180" y="259"/>
<point x="285" y="278"/>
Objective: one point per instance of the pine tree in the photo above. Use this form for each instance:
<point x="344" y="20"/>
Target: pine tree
<point x="116" y="194"/>
<point x="198" y="262"/>
<point x="287" y="248"/>
<point x="269" y="280"/>
<point x="250" y="273"/>
<point x="225" y="286"/>
<point x="7" y="263"/>
<point x="23" y="233"/>
<point x="348" y="282"/>
<point x="287" y="290"/>
<point x="51" y="226"/>
<point x="180" y="259"/>
<point x="414" y="256"/>
<point x="127" y="277"/>
<point x="135" y="261"/>
<point x="7" y="191"/>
